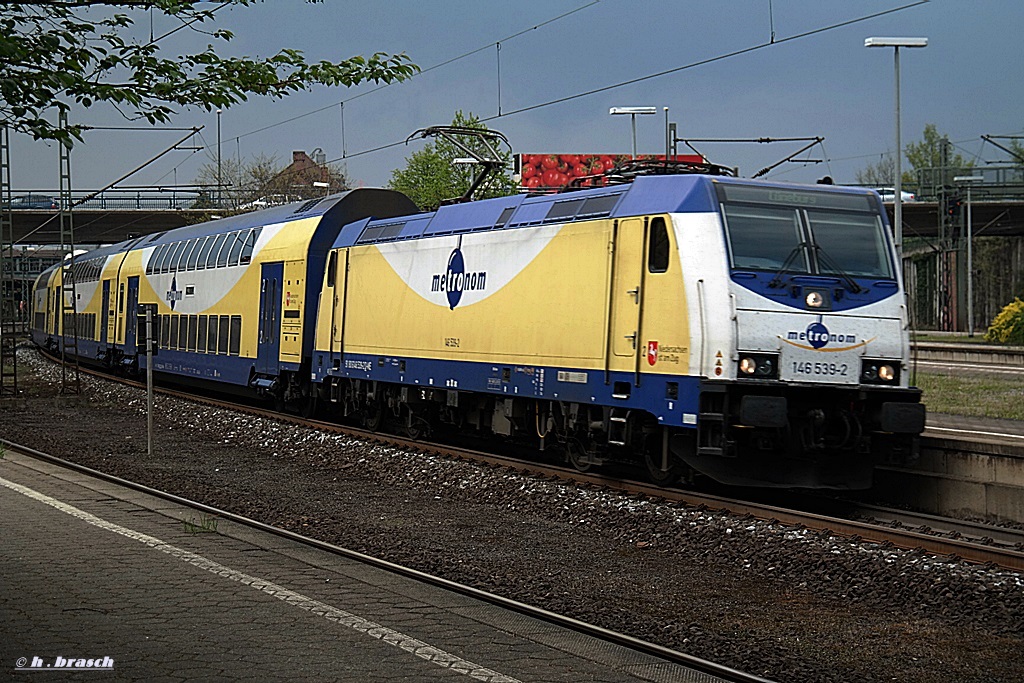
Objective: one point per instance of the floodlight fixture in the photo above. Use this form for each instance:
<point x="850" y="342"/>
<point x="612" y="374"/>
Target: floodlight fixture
<point x="633" y="113"/>
<point x="895" y="42"/>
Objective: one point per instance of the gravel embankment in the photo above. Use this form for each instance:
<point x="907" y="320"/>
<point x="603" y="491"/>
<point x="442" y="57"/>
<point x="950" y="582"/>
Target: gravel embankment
<point x="785" y="603"/>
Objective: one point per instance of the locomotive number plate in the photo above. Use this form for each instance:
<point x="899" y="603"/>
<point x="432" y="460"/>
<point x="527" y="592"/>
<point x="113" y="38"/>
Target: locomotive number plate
<point x="820" y="369"/>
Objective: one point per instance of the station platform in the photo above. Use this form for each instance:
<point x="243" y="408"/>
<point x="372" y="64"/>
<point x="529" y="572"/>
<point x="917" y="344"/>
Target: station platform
<point x="105" y="583"/>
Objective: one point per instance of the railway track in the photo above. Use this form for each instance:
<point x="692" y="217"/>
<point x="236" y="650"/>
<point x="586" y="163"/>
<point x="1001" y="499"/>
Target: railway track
<point x="931" y="540"/>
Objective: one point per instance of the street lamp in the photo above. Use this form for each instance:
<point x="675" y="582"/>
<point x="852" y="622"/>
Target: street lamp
<point x="633" y="111"/>
<point x="968" y="180"/>
<point x="897" y="43"/>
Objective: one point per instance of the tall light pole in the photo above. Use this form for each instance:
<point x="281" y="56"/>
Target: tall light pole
<point x="897" y="43"/>
<point x="219" y="179"/>
<point x="969" y="180"/>
<point x="633" y="111"/>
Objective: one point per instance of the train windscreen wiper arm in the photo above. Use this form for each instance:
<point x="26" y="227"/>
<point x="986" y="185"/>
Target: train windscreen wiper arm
<point x="776" y="281"/>
<point x="822" y="255"/>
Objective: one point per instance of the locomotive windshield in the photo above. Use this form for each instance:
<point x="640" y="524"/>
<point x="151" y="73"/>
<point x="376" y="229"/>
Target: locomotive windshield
<point x="804" y="231"/>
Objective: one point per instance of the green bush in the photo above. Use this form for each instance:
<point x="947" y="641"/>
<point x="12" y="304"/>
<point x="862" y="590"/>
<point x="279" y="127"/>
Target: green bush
<point x="1008" y="326"/>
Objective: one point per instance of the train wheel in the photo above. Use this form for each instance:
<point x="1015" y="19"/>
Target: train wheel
<point x="373" y="415"/>
<point x="659" y="476"/>
<point x="652" y="458"/>
<point x="578" y="456"/>
<point x="309" y="407"/>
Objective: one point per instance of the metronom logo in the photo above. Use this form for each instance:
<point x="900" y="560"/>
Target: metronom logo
<point x="455" y="280"/>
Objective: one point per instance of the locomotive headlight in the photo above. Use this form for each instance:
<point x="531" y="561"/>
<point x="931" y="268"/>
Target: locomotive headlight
<point x="759" y="366"/>
<point x="879" y="372"/>
<point x="814" y="300"/>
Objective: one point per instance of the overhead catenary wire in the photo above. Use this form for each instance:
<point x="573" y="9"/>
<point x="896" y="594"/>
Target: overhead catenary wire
<point x="439" y="65"/>
<point x="684" y="67"/>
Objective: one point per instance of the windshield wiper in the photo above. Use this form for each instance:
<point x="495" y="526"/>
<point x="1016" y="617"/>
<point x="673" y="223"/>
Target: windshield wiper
<point x="776" y="281"/>
<point x="822" y="255"/>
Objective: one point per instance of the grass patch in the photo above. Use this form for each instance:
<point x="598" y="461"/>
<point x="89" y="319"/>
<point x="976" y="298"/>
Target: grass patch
<point x="207" y="524"/>
<point x="974" y="396"/>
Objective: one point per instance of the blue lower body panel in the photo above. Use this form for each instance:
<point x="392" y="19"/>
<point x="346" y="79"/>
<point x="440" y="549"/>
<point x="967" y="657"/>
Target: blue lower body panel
<point x="673" y="399"/>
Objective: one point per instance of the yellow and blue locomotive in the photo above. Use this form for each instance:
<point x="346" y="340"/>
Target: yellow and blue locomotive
<point x="750" y="331"/>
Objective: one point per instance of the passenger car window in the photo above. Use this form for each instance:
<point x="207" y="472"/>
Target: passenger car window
<point x="193" y="257"/>
<point x="250" y="245"/>
<point x="225" y="250"/>
<point x="205" y="253"/>
<point x="179" y="256"/>
<point x="212" y="260"/>
<point x="193" y="247"/>
<point x="237" y="242"/>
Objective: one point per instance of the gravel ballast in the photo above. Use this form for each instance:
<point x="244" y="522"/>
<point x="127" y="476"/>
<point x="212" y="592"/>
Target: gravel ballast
<point x="785" y="603"/>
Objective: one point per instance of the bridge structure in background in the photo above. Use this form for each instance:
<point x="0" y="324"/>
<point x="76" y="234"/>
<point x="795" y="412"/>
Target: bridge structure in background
<point x="942" y="227"/>
<point x="110" y="216"/>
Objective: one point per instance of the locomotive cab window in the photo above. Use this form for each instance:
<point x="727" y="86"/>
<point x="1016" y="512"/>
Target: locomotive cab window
<point x="332" y="269"/>
<point x="806" y="232"/>
<point x="658" y="246"/>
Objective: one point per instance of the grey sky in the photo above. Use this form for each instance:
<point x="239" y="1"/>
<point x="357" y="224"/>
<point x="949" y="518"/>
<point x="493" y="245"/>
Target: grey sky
<point x="967" y="82"/>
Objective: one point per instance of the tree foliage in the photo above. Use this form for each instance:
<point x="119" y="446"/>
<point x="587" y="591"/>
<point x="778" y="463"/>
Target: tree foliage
<point x="1008" y="326"/>
<point x="880" y="174"/>
<point x="266" y="178"/>
<point x="925" y="153"/>
<point x="56" y="55"/>
<point x="431" y="176"/>
<point x="928" y="152"/>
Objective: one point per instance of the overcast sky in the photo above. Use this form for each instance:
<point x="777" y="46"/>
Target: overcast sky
<point x="969" y="81"/>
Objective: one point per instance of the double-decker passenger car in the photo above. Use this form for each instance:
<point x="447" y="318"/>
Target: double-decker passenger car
<point x="231" y="294"/>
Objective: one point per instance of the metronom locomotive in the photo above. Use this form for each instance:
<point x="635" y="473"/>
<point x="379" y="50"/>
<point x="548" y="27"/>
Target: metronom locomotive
<point x="749" y="331"/>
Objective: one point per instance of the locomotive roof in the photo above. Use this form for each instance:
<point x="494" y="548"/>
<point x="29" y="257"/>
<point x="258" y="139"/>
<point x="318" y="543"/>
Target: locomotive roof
<point x="645" y="195"/>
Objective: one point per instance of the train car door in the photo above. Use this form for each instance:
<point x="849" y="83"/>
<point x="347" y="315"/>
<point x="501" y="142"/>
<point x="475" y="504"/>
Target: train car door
<point x="269" y="349"/>
<point x="626" y="295"/>
<point x="54" y="313"/>
<point x="105" y="312"/>
<point x="131" y="315"/>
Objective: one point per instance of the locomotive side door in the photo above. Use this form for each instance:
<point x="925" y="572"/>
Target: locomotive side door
<point x="269" y="350"/>
<point x="627" y="278"/>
